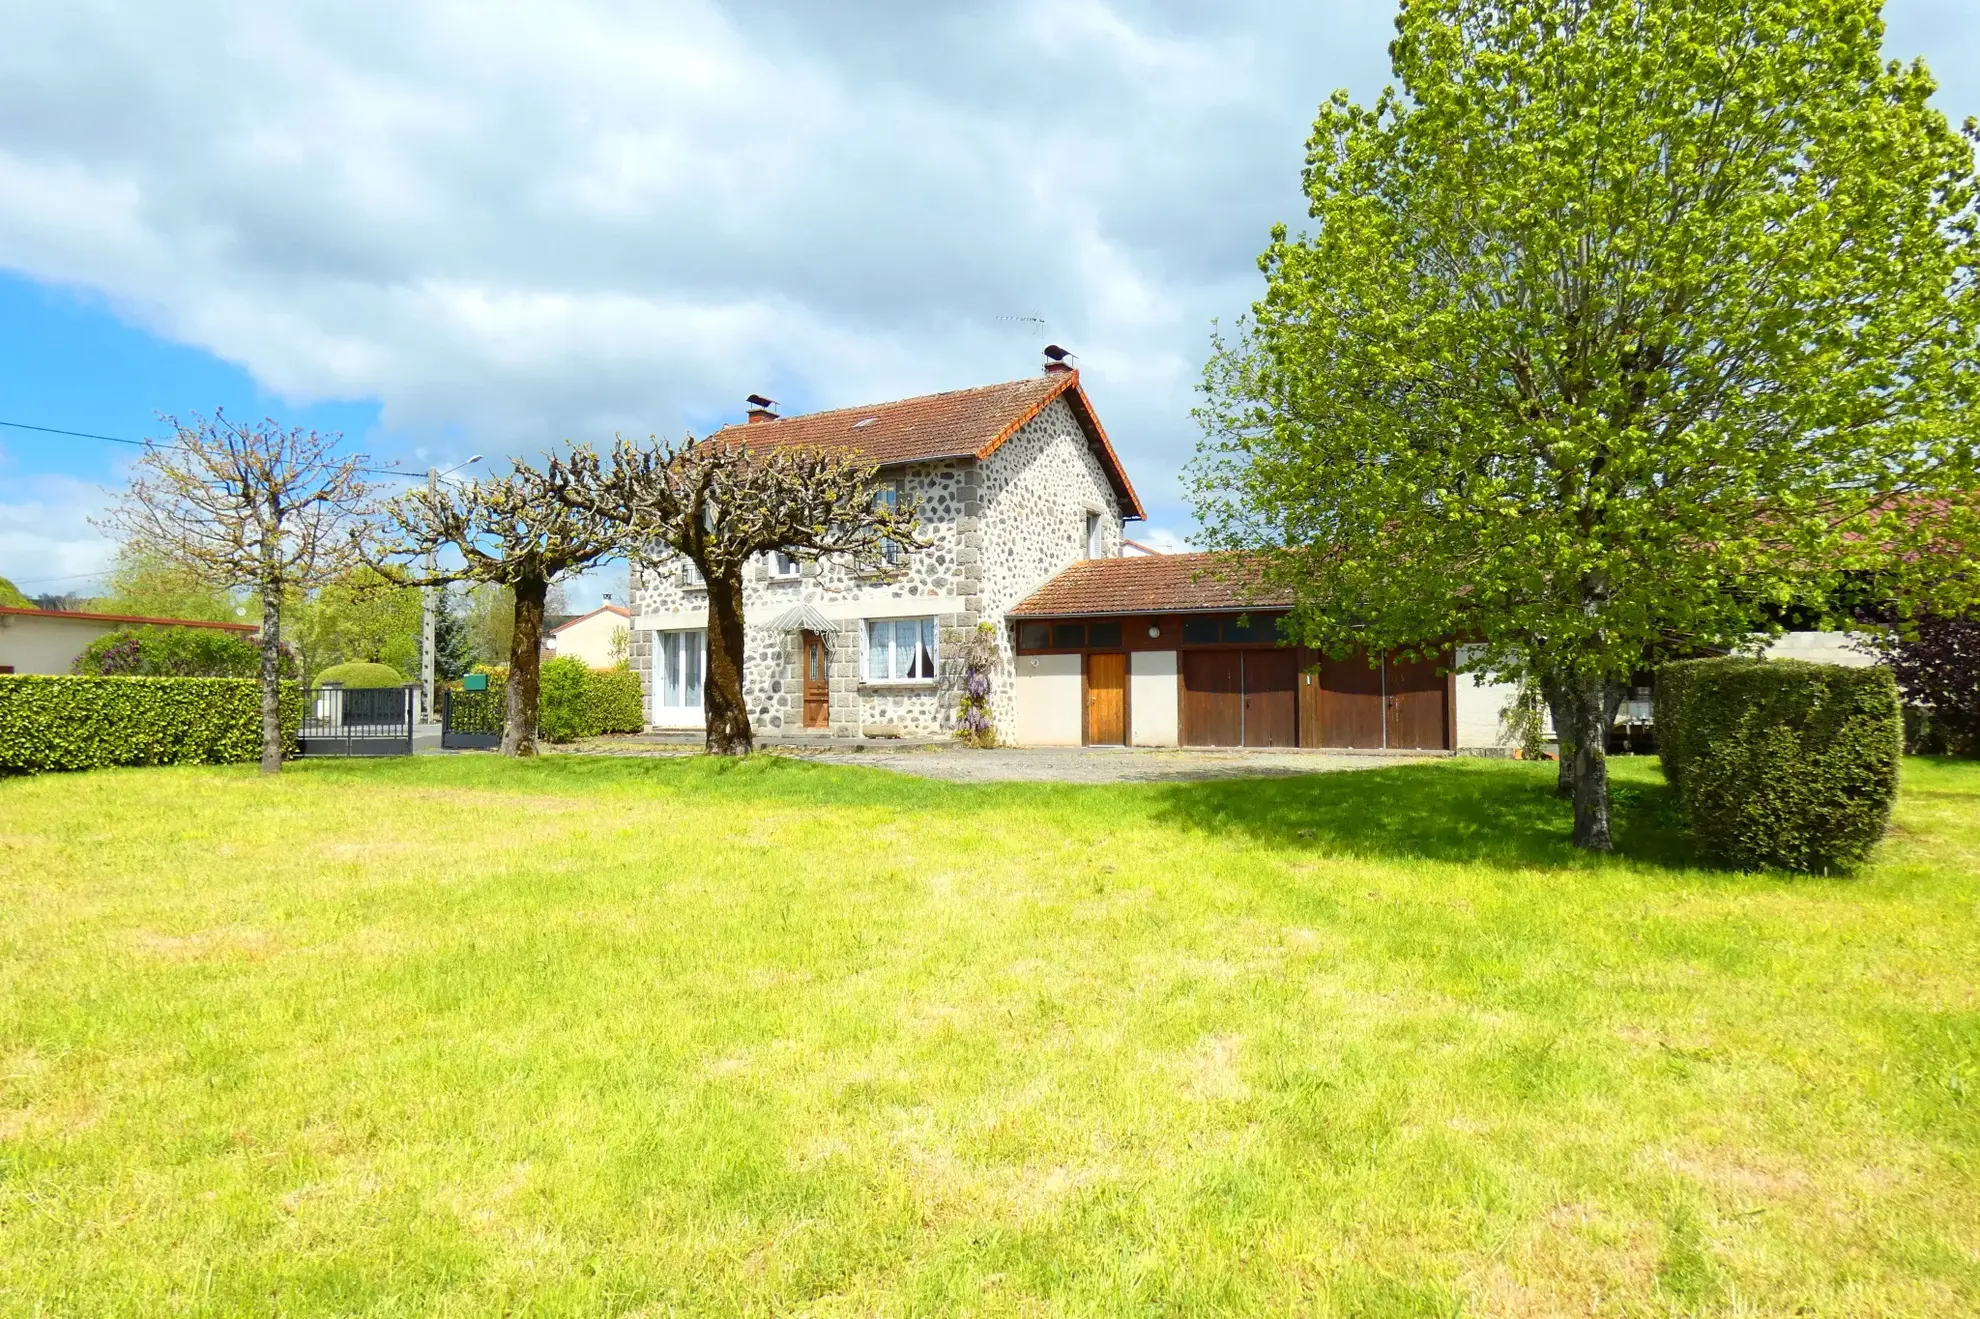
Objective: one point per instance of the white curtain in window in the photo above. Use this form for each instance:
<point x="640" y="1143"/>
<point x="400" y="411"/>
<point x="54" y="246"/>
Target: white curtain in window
<point x="681" y="664"/>
<point x="900" y="648"/>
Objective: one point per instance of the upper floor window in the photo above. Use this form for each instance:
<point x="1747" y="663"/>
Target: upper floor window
<point x="782" y="564"/>
<point x="1096" y="543"/>
<point x="889" y="496"/>
<point x="691" y="575"/>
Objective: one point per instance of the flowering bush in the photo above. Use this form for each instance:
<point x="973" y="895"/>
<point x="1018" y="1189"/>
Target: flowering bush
<point x="176" y="652"/>
<point x="979" y="657"/>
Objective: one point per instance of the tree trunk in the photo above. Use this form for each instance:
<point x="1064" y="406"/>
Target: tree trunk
<point x="525" y="668"/>
<point x="729" y="732"/>
<point x="1594" y="702"/>
<point x="271" y="680"/>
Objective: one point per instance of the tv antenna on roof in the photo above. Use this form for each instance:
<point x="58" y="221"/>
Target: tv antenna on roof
<point x="1034" y="322"/>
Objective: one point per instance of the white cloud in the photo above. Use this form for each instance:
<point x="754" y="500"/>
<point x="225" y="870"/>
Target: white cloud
<point x="517" y="221"/>
<point x="47" y="545"/>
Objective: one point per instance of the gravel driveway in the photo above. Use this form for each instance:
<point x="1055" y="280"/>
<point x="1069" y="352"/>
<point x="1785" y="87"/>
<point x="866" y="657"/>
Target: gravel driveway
<point x="1057" y="764"/>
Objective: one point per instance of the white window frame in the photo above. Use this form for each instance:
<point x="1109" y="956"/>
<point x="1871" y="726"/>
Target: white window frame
<point x="1096" y="536"/>
<point x="675" y="685"/>
<point x="691" y="578"/>
<point x="889" y="495"/>
<point x="926" y="652"/>
<point x="783" y="567"/>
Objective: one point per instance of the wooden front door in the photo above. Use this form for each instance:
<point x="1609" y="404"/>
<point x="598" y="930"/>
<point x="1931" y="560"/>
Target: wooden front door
<point x="1417" y="703"/>
<point x="817" y="688"/>
<point x="1270" y="700"/>
<point x="1106" y="700"/>
<point x="1212" y="698"/>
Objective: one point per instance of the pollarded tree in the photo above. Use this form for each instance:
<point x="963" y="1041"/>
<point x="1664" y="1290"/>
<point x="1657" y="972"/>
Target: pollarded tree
<point x="717" y="504"/>
<point x="1614" y="326"/>
<point x="517" y="530"/>
<point x="250" y="506"/>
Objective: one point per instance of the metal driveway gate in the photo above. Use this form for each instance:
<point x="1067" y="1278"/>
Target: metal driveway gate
<point x="358" y="721"/>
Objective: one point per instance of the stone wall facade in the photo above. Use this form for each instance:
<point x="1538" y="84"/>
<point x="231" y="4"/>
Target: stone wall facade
<point x="996" y="530"/>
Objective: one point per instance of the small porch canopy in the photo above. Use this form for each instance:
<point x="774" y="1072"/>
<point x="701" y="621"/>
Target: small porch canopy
<point x="802" y="618"/>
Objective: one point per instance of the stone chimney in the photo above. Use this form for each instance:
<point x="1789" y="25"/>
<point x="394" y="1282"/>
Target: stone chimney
<point x="1056" y="363"/>
<point x="760" y="408"/>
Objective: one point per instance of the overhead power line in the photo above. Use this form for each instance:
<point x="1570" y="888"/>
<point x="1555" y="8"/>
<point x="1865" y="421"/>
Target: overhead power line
<point x="160" y="444"/>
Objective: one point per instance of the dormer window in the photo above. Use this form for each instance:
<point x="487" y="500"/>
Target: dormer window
<point x="1096" y="543"/>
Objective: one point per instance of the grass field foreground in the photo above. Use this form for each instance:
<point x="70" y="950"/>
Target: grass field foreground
<point x="589" y="1036"/>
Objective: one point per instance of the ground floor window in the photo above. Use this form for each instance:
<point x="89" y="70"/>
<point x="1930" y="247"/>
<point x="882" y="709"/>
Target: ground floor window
<point x="683" y="659"/>
<point x="900" y="649"/>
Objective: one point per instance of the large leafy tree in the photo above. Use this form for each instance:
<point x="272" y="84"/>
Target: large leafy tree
<point x="1614" y="325"/>
<point x="717" y="504"/>
<point x="516" y="530"/>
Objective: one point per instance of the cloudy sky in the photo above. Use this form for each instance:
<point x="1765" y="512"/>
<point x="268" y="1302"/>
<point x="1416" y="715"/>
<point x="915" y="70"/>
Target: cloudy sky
<point x="448" y="228"/>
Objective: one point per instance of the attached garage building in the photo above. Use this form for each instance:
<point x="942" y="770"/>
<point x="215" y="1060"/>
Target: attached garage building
<point x="1168" y="650"/>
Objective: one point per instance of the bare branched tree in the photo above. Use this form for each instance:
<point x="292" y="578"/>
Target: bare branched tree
<point x="516" y="530"/>
<point x="253" y="506"/>
<point x="718" y="503"/>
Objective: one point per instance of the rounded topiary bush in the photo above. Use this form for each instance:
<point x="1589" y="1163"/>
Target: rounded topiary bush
<point x="360" y="674"/>
<point x="1782" y="763"/>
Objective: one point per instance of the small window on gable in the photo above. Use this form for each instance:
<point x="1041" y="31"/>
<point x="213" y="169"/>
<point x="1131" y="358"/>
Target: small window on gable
<point x="1069" y="635"/>
<point x="782" y="564"/>
<point x="1034" y="636"/>
<point x="1200" y="631"/>
<point x="1096" y="545"/>
<point x="691" y="575"/>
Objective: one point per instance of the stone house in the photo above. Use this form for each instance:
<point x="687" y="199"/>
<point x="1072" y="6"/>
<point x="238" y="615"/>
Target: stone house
<point x="1016" y="482"/>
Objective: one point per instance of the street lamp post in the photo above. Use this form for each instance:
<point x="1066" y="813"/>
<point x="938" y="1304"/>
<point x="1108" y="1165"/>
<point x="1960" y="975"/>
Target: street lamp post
<point x="429" y="605"/>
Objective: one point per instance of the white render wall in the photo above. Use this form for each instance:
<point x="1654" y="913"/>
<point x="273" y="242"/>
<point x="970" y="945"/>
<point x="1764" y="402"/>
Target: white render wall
<point x="1047" y="691"/>
<point x="1154" y="698"/>
<point x="590" y="638"/>
<point x="48" y="644"/>
<point x="1819" y="648"/>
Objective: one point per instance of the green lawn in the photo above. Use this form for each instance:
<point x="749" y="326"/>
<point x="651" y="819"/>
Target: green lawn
<point x="590" y="1036"/>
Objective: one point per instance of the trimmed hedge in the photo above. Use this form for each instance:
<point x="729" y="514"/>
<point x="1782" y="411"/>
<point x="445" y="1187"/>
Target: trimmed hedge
<point x="361" y="675"/>
<point x="578" y="701"/>
<point x="58" y="722"/>
<point x="1780" y="762"/>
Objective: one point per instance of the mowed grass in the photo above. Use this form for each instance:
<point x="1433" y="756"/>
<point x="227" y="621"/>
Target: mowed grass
<point x="589" y="1036"/>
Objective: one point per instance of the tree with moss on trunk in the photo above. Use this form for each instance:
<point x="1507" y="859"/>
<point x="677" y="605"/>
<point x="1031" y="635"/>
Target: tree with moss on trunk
<point x="719" y="503"/>
<point x="251" y="506"/>
<point x="1615" y="326"/>
<point x="517" y="530"/>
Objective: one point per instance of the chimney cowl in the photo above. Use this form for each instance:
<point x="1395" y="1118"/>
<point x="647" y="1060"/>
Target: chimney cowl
<point x="760" y="409"/>
<point x="1056" y="360"/>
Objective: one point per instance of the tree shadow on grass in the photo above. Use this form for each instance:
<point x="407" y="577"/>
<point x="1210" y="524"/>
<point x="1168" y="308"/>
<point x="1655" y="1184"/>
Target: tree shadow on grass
<point x="1498" y="815"/>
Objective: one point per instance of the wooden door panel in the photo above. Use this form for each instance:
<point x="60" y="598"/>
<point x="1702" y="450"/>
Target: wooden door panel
<point x="1416" y="704"/>
<point x="1270" y="698"/>
<point x="817" y="685"/>
<point x="1350" y="703"/>
<point x="1106" y="700"/>
<point x="1212" y="698"/>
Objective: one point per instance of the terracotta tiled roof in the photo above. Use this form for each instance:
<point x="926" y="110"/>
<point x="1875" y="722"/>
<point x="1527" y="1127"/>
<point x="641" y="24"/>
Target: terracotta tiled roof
<point x="1153" y="584"/>
<point x="963" y="423"/>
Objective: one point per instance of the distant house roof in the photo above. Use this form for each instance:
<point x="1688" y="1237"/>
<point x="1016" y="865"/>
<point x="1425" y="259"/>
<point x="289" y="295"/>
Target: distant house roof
<point x="562" y="621"/>
<point x="1154" y="584"/>
<point x="963" y="423"/>
<point x="133" y="619"/>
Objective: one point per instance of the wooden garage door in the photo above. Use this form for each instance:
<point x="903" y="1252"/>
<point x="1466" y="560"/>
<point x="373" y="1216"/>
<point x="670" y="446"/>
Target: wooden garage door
<point x="1270" y="702"/>
<point x="1340" y="702"/>
<point x="1212" y="698"/>
<point x="1417" y="704"/>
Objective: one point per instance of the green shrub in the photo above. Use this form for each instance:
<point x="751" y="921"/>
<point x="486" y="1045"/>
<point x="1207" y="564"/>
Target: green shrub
<point x="360" y="674"/>
<point x="579" y="701"/>
<point x="175" y="652"/>
<point x="55" y="722"/>
<point x="1780" y="762"/>
<point x="476" y="712"/>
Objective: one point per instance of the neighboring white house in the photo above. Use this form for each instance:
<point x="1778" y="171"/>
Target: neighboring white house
<point x="48" y="641"/>
<point x="599" y="638"/>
